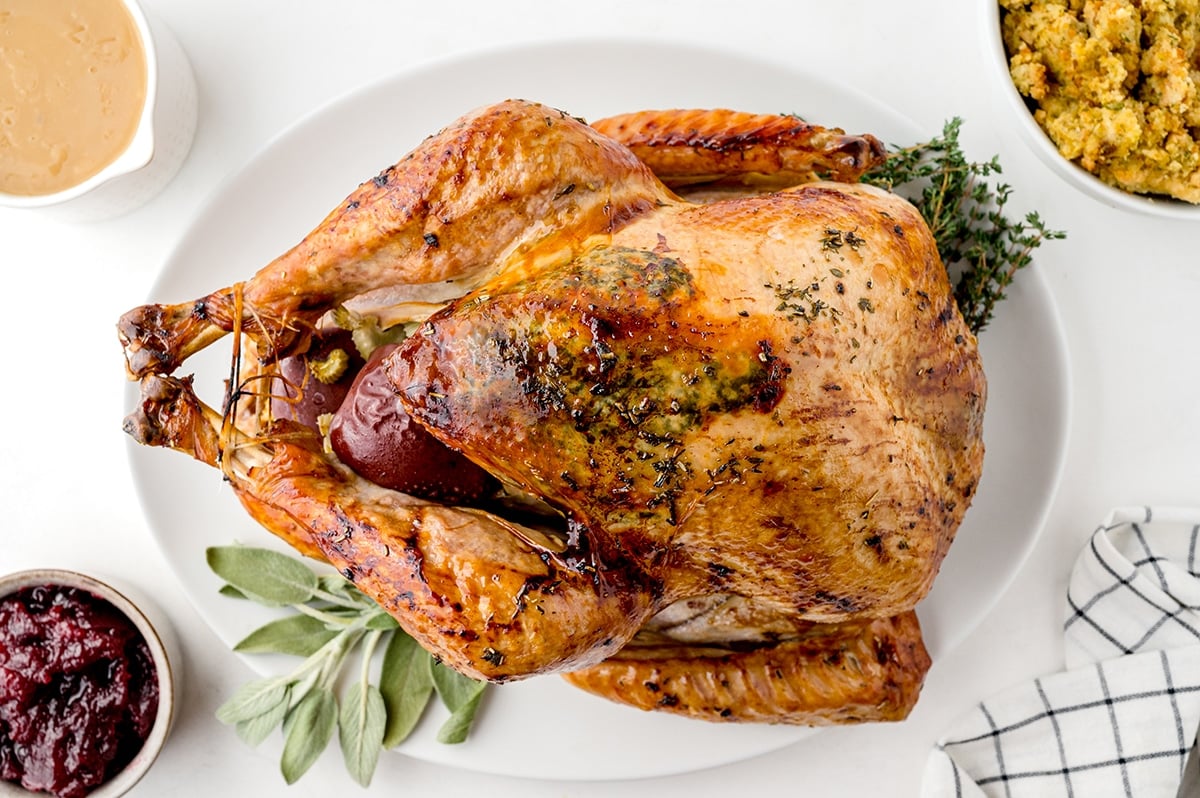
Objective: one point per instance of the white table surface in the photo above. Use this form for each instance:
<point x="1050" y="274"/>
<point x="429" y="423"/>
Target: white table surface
<point x="1128" y="289"/>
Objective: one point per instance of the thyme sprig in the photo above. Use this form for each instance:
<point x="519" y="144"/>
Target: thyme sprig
<point x="980" y="245"/>
<point x="332" y="620"/>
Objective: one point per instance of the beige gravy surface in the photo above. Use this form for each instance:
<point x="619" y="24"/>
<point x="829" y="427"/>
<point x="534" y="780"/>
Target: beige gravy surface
<point x="72" y="87"/>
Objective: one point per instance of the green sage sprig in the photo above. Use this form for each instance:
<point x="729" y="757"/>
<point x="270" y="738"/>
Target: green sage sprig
<point x="333" y="624"/>
<point x="981" y="246"/>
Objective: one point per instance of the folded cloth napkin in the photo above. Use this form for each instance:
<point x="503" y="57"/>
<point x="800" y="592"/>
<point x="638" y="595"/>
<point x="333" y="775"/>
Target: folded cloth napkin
<point x="1120" y="720"/>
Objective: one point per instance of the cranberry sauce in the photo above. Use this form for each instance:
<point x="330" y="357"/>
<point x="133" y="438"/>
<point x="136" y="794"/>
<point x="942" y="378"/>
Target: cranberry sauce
<point x="78" y="692"/>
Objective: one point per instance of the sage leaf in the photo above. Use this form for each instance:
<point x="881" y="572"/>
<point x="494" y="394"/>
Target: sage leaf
<point x="461" y="695"/>
<point x="406" y="683"/>
<point x="453" y="688"/>
<point x="305" y="704"/>
<point x="360" y="730"/>
<point x="262" y="575"/>
<point x="254" y="730"/>
<point x="310" y="728"/>
<point x="230" y="591"/>
<point x="298" y="635"/>
<point x="458" y="725"/>
<point x="253" y="699"/>
<point x="338" y="586"/>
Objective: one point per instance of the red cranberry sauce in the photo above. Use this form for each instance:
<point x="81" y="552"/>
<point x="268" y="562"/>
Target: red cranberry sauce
<point x="78" y="692"/>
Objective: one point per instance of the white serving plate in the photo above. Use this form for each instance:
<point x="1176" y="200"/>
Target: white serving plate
<point x="542" y="727"/>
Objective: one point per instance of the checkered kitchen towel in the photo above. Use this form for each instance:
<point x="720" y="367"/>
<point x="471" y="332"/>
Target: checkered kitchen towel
<point x="1121" y="719"/>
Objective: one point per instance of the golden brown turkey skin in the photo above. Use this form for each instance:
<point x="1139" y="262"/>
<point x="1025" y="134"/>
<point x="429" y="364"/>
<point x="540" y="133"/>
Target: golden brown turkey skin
<point x="771" y="396"/>
<point x="685" y="147"/>
<point x="830" y="673"/>
<point x="493" y="599"/>
<point x="782" y="403"/>
<point x="498" y="179"/>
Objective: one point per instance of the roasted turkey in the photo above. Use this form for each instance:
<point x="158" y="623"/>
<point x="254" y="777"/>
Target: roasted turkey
<point x="732" y="412"/>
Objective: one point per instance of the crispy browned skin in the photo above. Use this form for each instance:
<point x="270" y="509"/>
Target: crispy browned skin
<point x="456" y="205"/>
<point x="493" y="599"/>
<point x="771" y="396"/>
<point x="830" y="673"/>
<point x="784" y="403"/>
<point x="685" y="147"/>
<point x="450" y="210"/>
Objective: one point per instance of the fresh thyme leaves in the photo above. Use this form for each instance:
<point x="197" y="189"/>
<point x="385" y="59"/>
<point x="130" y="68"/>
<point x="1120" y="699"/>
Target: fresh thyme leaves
<point x="798" y="302"/>
<point x="334" y="624"/>
<point x="834" y="239"/>
<point x="981" y="246"/>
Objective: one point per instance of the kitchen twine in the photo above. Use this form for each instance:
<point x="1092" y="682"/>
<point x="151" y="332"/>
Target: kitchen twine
<point x="1120" y="720"/>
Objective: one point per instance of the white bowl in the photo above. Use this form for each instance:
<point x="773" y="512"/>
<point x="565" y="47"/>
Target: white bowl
<point x="159" y="145"/>
<point x="164" y="651"/>
<point x="1044" y="147"/>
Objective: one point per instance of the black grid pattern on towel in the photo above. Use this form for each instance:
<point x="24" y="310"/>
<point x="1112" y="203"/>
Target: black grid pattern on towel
<point x="1059" y="770"/>
<point x="1133" y="629"/>
<point x="1153" y="608"/>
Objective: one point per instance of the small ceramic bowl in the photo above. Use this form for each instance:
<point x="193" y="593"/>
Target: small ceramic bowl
<point x="160" y="639"/>
<point x="1044" y="147"/>
<point x="159" y="145"/>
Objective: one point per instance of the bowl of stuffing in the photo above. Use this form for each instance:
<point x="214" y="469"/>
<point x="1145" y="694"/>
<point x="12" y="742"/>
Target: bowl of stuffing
<point x="87" y="694"/>
<point x="1107" y="93"/>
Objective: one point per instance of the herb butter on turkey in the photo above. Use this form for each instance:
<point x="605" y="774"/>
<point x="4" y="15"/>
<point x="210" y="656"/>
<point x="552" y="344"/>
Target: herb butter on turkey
<point x="1116" y="85"/>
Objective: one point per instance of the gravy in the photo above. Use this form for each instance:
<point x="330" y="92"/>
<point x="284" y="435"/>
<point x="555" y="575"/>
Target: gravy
<point x="72" y="88"/>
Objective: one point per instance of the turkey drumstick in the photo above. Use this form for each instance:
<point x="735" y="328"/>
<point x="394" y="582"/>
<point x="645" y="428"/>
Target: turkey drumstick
<point x="449" y="211"/>
<point x="493" y="599"/>
<point x="455" y="206"/>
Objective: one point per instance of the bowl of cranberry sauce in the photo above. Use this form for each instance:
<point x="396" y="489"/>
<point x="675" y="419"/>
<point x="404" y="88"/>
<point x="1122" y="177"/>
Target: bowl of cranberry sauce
<point x="86" y="687"/>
